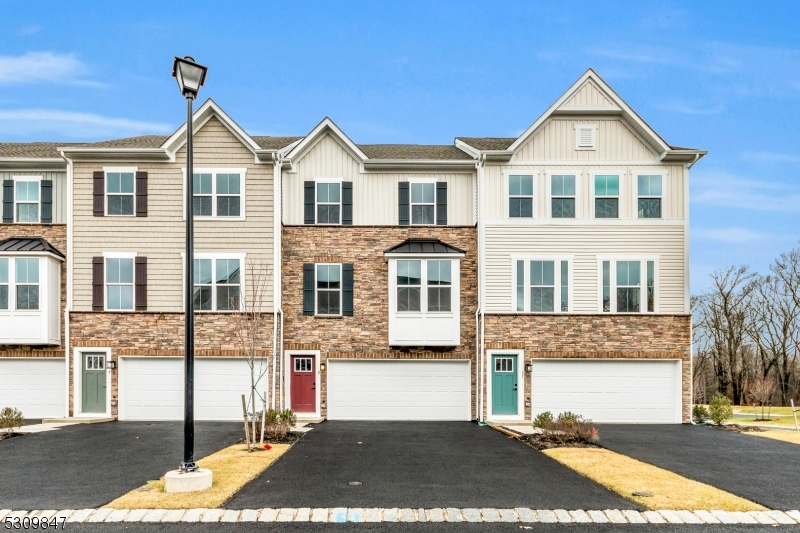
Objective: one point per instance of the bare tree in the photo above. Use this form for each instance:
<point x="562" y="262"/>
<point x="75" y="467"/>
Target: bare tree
<point x="253" y="332"/>
<point x="762" y="388"/>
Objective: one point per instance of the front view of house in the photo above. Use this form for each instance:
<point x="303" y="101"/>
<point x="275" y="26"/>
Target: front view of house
<point x="490" y="279"/>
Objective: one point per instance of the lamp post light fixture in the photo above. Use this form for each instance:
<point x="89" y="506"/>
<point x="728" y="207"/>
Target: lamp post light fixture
<point x="190" y="77"/>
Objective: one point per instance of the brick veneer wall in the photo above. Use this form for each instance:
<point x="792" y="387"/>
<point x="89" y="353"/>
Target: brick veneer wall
<point x="156" y="334"/>
<point x="56" y="235"/>
<point x="365" y="335"/>
<point x="595" y="337"/>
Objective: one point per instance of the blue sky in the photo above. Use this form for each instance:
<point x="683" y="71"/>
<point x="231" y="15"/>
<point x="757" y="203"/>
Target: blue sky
<point x="719" y="76"/>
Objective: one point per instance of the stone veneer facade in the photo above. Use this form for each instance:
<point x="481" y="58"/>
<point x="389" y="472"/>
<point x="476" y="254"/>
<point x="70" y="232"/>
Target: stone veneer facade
<point x="365" y="335"/>
<point x="572" y="336"/>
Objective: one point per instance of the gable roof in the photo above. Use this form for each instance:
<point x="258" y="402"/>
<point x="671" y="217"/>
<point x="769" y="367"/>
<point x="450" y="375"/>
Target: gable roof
<point x="204" y="113"/>
<point x="424" y="246"/>
<point x="326" y="127"/>
<point x="29" y="244"/>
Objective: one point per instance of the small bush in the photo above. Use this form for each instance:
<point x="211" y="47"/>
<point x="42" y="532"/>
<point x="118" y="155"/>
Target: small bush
<point x="569" y="428"/>
<point x="542" y="419"/>
<point x="700" y="413"/>
<point x="720" y="409"/>
<point x="10" y="419"/>
<point x="569" y="416"/>
<point x="277" y="423"/>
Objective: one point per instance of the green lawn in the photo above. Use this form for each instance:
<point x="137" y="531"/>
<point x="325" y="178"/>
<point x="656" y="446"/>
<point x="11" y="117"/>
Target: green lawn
<point x="781" y="411"/>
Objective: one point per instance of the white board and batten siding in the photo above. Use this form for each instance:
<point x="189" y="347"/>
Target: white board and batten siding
<point x="375" y="201"/>
<point x="59" y="180"/>
<point x="35" y="386"/>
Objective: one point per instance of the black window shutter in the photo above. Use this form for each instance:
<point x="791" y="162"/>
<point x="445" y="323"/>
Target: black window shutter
<point x="141" y="283"/>
<point x="97" y="283"/>
<point x="8" y="201"/>
<point x="98" y="193"/>
<point x="441" y="203"/>
<point x="403" y="203"/>
<point x="347" y="203"/>
<point x="347" y="289"/>
<point x="308" y="288"/>
<point x="141" y="194"/>
<point x="46" y="202"/>
<point x="310" y="193"/>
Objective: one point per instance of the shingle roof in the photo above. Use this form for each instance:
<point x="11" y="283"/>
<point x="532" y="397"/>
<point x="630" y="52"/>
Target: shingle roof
<point x="28" y="244"/>
<point x="488" y="143"/>
<point x="33" y="150"/>
<point x="423" y="246"/>
<point x="142" y="141"/>
<point x="443" y="152"/>
<point x="274" y="143"/>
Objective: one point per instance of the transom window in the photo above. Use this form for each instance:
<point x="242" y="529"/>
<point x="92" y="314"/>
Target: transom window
<point x="606" y="196"/>
<point x="562" y="196"/>
<point x="26" y="200"/>
<point x="649" y="196"/>
<point x="504" y="364"/>
<point x="628" y="286"/>
<point x="329" y="289"/>
<point x="217" y="284"/>
<point x="217" y="194"/>
<point x="520" y="196"/>
<point x="119" y="193"/>
<point x="302" y="364"/>
<point x="119" y="284"/>
<point x="329" y="202"/>
<point x="542" y="285"/>
<point x="423" y="203"/>
<point x="26" y="278"/>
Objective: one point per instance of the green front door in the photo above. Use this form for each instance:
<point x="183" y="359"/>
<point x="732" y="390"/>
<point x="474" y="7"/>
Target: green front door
<point x="504" y="385"/>
<point x="94" y="383"/>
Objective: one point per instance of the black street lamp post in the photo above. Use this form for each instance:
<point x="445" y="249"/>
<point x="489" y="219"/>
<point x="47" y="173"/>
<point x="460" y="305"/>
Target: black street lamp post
<point x="190" y="77"/>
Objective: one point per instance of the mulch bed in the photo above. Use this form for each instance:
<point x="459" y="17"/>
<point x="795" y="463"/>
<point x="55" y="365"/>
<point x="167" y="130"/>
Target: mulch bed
<point x="291" y="438"/>
<point x="739" y="429"/>
<point x="539" y="442"/>
<point x="4" y="436"/>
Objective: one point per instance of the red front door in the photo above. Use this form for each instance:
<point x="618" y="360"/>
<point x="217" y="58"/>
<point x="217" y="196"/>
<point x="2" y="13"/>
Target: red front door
<point x="304" y="384"/>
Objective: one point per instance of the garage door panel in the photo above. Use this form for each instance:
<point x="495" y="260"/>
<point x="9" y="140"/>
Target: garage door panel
<point x="608" y="391"/>
<point x="35" y="386"/>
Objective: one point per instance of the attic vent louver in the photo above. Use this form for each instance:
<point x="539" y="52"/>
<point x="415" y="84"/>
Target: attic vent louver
<point x="586" y="136"/>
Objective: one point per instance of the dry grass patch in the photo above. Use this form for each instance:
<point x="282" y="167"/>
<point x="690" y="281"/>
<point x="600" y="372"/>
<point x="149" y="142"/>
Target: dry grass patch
<point x="232" y="468"/>
<point x="785" y="436"/>
<point x="625" y="476"/>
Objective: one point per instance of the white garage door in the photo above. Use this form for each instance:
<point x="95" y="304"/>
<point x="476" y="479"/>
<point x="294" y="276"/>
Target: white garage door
<point x="37" y="387"/>
<point x="608" y="390"/>
<point x="151" y="388"/>
<point x="398" y="390"/>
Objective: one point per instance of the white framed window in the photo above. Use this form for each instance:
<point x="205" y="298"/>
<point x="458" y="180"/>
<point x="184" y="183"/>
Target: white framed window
<point x="424" y="286"/>
<point x="119" y="282"/>
<point x="606" y="195"/>
<point x="520" y="195"/>
<point x="27" y="195"/>
<point x="120" y="191"/>
<point x="628" y="284"/>
<point x="563" y="195"/>
<point x="4" y="283"/>
<point x="422" y="202"/>
<point x="26" y="283"/>
<point x="328" y="289"/>
<point x="218" y="282"/>
<point x="542" y="284"/>
<point x="328" y="194"/>
<point x="585" y="136"/>
<point x="218" y="193"/>
<point x="649" y="193"/>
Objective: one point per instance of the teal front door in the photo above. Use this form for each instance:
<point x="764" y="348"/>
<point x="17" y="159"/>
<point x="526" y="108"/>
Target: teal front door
<point x="504" y="385"/>
<point x="94" y="383"/>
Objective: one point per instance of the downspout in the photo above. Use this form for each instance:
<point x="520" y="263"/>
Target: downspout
<point x="68" y="307"/>
<point x="276" y="259"/>
<point x="479" y="314"/>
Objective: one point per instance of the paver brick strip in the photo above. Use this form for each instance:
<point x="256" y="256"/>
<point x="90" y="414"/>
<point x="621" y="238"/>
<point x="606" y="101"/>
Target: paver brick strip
<point x="269" y="515"/>
<point x="654" y="517"/>
<point x="193" y="515"/>
<point x="78" y="516"/>
<point x="353" y="515"/>
<point x="508" y="515"/>
<point x="707" y="517"/>
<point x="634" y="517"/>
<point x="615" y="517"/>
<point x="135" y="515"/>
<point x="154" y="515"/>
<point x="118" y="515"/>
<point x="99" y="515"/>
<point x="453" y="515"/>
<point x="724" y="517"/>
<point x="212" y="515"/>
<point x="230" y="515"/>
<point x="407" y="515"/>
<point x="794" y="514"/>
<point x="562" y="515"/>
<point x="390" y="515"/>
<point x="780" y="517"/>
<point x="286" y="515"/>
<point x="338" y="515"/>
<point x="4" y="513"/>
<point x="546" y="516"/>
<point x="580" y="516"/>
<point x="763" y="518"/>
<point x="689" y="517"/>
<point x="598" y="517"/>
<point x="490" y="515"/>
<point x="422" y="516"/>
<point x="175" y="515"/>
<point x="48" y="514"/>
<point x="372" y="515"/>
<point x="436" y="515"/>
<point x="248" y="515"/>
<point x="319" y="515"/>
<point x="303" y="515"/>
<point x="526" y="515"/>
<point x="472" y="515"/>
<point x="671" y="517"/>
<point x="743" y="517"/>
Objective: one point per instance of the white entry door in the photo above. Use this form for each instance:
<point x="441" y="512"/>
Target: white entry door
<point x="37" y="387"/>
<point x="398" y="390"/>
<point x="608" y="390"/>
<point x="151" y="388"/>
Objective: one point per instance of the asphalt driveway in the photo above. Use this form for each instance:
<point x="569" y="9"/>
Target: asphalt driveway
<point x="419" y="464"/>
<point x="88" y="465"/>
<point x="762" y="470"/>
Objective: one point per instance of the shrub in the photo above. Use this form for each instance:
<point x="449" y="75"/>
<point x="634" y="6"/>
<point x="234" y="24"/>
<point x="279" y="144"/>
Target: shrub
<point x="542" y="419"/>
<point x="569" y="428"/>
<point x="720" y="409"/>
<point x="276" y="423"/>
<point x="569" y="416"/>
<point x="700" y="413"/>
<point x="10" y="419"/>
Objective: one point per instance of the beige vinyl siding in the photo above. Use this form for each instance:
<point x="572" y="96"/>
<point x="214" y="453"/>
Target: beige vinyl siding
<point x="589" y="96"/>
<point x="585" y="243"/>
<point x="555" y="140"/>
<point x="161" y="235"/>
<point x="59" y="180"/>
<point x="672" y="200"/>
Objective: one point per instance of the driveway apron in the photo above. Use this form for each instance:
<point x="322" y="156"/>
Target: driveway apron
<point x="765" y="471"/>
<point x="419" y="464"/>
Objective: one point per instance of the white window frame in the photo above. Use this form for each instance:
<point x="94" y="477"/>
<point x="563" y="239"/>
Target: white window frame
<point x="317" y="181"/>
<point x="643" y="259"/>
<point x="38" y="180"/>
<point x="557" y="259"/>
<point x="214" y="171"/>
<point x="635" y="201"/>
<point x="507" y="197"/>
<point x="584" y="126"/>
<point x="213" y="256"/>
<point x="12" y="285"/>
<point x="129" y="170"/>
<point x="411" y="204"/>
<point x="118" y="255"/>
<point x="549" y="186"/>
<point x="341" y="289"/>
<point x="622" y="175"/>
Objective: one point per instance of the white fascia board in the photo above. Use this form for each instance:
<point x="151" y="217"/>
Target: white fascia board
<point x="222" y="116"/>
<point x="327" y="125"/>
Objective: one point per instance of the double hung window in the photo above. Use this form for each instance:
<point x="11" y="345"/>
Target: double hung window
<point x="628" y="286"/>
<point x="218" y="194"/>
<point x="23" y="293"/>
<point x="520" y="196"/>
<point x="119" y="193"/>
<point x="217" y="284"/>
<point x="431" y="292"/>
<point x="606" y="196"/>
<point x="649" y="196"/>
<point x="4" y="283"/>
<point x="329" y="202"/>
<point x="423" y="203"/>
<point x="26" y="200"/>
<point x="562" y="196"/>
<point x="541" y="285"/>
<point x="329" y="289"/>
<point x="119" y="284"/>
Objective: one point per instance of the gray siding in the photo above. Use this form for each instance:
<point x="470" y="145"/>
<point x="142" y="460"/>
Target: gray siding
<point x="59" y="180"/>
